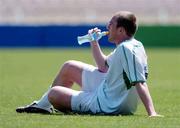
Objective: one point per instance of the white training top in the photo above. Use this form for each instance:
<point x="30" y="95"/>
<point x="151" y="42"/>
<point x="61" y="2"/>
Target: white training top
<point x="127" y="66"/>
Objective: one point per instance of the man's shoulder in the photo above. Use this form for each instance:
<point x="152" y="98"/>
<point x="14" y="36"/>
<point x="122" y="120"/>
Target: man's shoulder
<point x="130" y="44"/>
<point x="126" y="45"/>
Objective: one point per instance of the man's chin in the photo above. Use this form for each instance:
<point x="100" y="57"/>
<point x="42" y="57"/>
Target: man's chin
<point x="110" y="40"/>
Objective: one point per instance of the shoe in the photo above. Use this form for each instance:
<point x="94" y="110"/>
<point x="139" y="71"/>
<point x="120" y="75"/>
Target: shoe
<point x="33" y="108"/>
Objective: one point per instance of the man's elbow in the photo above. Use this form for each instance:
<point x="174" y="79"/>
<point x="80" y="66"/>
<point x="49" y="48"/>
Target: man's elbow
<point x="103" y="69"/>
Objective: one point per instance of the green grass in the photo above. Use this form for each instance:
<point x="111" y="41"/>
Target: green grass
<point x="26" y="73"/>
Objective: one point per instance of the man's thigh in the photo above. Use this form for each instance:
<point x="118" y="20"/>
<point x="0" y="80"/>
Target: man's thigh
<point x="84" y="102"/>
<point x="91" y="78"/>
<point x="70" y="72"/>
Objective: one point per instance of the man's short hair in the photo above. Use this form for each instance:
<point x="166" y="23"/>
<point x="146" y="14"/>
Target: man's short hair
<point x="127" y="20"/>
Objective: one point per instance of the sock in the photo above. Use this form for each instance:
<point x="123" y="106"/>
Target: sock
<point x="44" y="102"/>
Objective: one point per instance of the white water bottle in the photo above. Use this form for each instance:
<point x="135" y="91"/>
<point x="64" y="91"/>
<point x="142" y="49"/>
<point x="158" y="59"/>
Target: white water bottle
<point x="91" y="37"/>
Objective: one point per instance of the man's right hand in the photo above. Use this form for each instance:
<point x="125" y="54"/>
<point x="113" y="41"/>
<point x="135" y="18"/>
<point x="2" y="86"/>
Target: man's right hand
<point x="156" y="115"/>
<point x="94" y="34"/>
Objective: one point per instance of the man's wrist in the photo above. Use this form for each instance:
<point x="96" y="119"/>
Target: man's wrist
<point x="152" y="114"/>
<point x="94" y="43"/>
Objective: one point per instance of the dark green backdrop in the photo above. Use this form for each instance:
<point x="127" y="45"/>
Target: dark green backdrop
<point x="159" y="36"/>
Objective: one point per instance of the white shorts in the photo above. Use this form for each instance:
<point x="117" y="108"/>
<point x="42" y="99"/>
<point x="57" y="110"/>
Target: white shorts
<point x="82" y="100"/>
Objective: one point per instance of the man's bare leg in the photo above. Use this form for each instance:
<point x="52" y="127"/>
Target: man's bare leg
<point x="60" y="93"/>
<point x="70" y="72"/>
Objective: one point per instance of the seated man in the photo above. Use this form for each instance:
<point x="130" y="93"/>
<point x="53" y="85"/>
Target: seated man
<point x="113" y="87"/>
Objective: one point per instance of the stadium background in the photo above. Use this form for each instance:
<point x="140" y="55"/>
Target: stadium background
<point x="57" y="23"/>
<point x="33" y="34"/>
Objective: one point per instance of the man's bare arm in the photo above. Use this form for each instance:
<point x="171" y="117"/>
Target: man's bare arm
<point x="145" y="96"/>
<point x="98" y="55"/>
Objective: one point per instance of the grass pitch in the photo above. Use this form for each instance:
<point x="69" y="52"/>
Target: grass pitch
<point x="25" y="75"/>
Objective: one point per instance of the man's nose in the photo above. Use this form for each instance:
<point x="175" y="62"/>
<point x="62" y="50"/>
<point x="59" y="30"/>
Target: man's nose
<point x="107" y="26"/>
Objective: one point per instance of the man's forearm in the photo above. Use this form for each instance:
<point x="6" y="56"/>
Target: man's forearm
<point x="99" y="57"/>
<point x="145" y="96"/>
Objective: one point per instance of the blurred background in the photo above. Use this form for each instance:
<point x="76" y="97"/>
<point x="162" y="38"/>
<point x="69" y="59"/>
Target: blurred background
<point x="38" y="36"/>
<point x="56" y="23"/>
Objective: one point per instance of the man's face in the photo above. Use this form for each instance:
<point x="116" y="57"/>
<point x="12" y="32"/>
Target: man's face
<point x="112" y="30"/>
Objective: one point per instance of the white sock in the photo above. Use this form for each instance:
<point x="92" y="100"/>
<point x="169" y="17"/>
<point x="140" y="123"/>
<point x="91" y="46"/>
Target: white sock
<point x="44" y="102"/>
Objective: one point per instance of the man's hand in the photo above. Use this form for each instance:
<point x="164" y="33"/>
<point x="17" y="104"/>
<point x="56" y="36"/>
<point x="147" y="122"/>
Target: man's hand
<point x="156" y="115"/>
<point x="94" y="34"/>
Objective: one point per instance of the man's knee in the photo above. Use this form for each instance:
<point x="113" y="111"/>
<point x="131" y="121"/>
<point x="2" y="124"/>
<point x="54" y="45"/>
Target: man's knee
<point x="60" y="97"/>
<point x="52" y="96"/>
<point x="68" y="66"/>
<point x="73" y="70"/>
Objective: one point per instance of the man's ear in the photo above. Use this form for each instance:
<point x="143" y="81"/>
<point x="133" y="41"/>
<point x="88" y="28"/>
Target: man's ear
<point x="120" y="30"/>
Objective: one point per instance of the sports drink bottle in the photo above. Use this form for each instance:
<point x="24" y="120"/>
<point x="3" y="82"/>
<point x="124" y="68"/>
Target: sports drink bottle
<point x="91" y="37"/>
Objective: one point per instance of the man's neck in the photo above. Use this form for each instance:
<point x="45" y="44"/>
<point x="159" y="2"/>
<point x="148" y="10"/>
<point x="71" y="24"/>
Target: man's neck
<point x="123" y="39"/>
